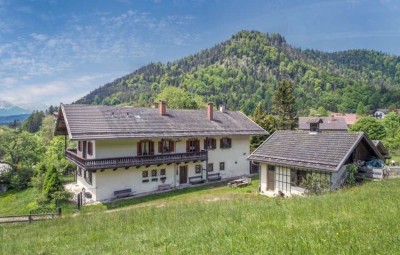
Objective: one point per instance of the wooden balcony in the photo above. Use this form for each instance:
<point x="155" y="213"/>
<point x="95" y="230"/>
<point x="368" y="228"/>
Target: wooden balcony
<point x="112" y="163"/>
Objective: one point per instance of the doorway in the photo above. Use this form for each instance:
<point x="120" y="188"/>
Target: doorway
<point x="183" y="173"/>
<point x="271" y="178"/>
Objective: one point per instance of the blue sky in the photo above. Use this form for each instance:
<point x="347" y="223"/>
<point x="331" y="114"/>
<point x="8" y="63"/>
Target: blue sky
<point x="58" y="51"/>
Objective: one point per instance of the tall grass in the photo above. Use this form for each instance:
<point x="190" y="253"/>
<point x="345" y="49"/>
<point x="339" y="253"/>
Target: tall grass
<point x="361" y="220"/>
<point x="14" y="202"/>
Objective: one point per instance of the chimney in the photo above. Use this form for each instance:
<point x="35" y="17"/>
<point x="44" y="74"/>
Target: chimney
<point x="155" y="105"/>
<point x="163" y="108"/>
<point x="222" y="108"/>
<point x="210" y="111"/>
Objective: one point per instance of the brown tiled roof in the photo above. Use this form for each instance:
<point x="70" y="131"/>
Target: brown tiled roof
<point x="84" y="122"/>
<point x="325" y="151"/>
<point x="328" y="123"/>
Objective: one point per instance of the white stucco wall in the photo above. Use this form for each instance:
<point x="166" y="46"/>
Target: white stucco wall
<point x="282" y="181"/>
<point x="235" y="158"/>
<point x="107" y="181"/>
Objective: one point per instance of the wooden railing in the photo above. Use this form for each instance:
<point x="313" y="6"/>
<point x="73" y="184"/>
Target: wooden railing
<point x="29" y="217"/>
<point x="110" y="163"/>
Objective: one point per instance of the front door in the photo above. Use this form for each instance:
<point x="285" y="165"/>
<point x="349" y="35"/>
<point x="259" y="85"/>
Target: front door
<point x="271" y="178"/>
<point x="84" y="149"/>
<point x="183" y="171"/>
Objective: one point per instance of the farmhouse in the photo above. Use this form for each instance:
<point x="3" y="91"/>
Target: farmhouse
<point x="123" y="150"/>
<point x="324" y="123"/>
<point x="287" y="157"/>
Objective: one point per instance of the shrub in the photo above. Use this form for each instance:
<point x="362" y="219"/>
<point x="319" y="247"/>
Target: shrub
<point x="315" y="184"/>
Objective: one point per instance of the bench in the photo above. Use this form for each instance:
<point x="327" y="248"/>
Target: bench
<point x="214" y="177"/>
<point x="196" y="179"/>
<point x="164" y="186"/>
<point x="123" y="193"/>
<point x="244" y="181"/>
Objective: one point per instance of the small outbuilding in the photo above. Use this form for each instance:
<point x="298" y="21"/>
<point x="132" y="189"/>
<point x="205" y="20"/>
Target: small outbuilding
<point x="288" y="156"/>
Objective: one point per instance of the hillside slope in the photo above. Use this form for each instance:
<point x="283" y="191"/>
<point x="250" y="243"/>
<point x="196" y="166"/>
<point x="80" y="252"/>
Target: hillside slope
<point x="360" y="220"/>
<point x="244" y="70"/>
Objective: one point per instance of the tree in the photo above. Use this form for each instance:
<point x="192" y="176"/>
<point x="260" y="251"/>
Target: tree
<point x="284" y="104"/>
<point x="52" y="182"/>
<point x="267" y="122"/>
<point x="322" y="112"/>
<point x="20" y="148"/>
<point x="391" y="122"/>
<point x="371" y="126"/>
<point x="178" y="98"/>
<point x="34" y="122"/>
<point x="47" y="129"/>
<point x="361" y="109"/>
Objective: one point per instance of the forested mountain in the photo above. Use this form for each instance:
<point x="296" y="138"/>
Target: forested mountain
<point x="244" y="70"/>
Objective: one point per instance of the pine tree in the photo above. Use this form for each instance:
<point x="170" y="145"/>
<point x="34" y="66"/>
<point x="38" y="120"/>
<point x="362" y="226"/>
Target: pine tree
<point x="284" y="105"/>
<point x="361" y="109"/>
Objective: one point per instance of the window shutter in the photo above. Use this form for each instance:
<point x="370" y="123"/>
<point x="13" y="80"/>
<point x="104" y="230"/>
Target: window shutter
<point x="139" y="148"/>
<point x="160" y="148"/>
<point x="205" y="144"/>
<point x="187" y="146"/>
<point x="197" y="145"/>
<point x="151" y="148"/>
<point x="230" y="142"/>
<point x="90" y="148"/>
<point x="221" y="145"/>
<point x="214" y="143"/>
<point x="171" y="146"/>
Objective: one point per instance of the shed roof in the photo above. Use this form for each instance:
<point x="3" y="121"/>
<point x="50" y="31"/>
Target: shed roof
<point x="326" y="123"/>
<point x="325" y="151"/>
<point x="84" y="122"/>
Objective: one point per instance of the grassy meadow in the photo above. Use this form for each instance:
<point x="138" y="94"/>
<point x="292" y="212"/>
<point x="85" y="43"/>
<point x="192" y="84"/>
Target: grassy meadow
<point x="360" y="220"/>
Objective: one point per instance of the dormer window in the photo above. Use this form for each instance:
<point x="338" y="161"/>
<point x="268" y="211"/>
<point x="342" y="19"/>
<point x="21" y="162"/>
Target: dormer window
<point x="314" y="127"/>
<point x="314" y="124"/>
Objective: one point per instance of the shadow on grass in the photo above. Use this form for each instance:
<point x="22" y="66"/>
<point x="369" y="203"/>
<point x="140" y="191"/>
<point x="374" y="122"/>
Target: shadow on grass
<point x="172" y="194"/>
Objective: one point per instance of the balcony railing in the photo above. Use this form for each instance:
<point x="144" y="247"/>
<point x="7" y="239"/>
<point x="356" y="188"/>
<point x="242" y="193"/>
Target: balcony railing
<point x="111" y="163"/>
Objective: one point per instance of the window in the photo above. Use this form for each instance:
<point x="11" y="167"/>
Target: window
<point x="297" y="177"/>
<point x="210" y="144"/>
<point x="153" y="173"/>
<point x="225" y="143"/>
<point x="271" y="168"/>
<point x="162" y="172"/>
<point x="166" y="146"/>
<point x="221" y="166"/>
<point x="145" y="147"/>
<point x="197" y="169"/>
<point x="314" y="127"/>
<point x="145" y="174"/>
<point x="90" y="148"/>
<point x="79" y="145"/>
<point x="79" y="171"/>
<point x="210" y="167"/>
<point x="192" y="146"/>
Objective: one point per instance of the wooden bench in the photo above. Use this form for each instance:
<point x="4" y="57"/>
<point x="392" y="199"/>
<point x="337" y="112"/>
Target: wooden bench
<point x="164" y="186"/>
<point x="196" y="179"/>
<point x="214" y="177"/>
<point x="123" y="193"/>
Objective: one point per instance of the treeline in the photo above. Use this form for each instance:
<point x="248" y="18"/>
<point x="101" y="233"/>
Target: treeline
<point x="243" y="71"/>
<point x="35" y="158"/>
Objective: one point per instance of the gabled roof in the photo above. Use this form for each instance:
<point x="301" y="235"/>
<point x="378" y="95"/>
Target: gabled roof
<point x="87" y="122"/>
<point x="326" y="123"/>
<point x="325" y="151"/>
<point x="381" y="148"/>
<point x="350" y="118"/>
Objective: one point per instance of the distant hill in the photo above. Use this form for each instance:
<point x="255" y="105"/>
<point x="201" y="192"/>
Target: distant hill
<point x="244" y="70"/>
<point x="9" y="109"/>
<point x="5" y="120"/>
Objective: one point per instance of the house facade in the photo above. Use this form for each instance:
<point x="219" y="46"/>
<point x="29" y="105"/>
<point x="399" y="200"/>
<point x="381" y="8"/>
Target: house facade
<point x="142" y="150"/>
<point x="287" y="157"/>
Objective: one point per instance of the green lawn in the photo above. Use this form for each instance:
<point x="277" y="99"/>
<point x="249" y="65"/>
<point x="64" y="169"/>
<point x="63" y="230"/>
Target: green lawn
<point x="360" y="220"/>
<point x="13" y="202"/>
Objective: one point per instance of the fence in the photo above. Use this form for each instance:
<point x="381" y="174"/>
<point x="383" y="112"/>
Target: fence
<point x="29" y="217"/>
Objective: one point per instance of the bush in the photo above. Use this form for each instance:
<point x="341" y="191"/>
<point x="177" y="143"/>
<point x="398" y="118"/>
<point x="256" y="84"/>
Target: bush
<point x="20" y="179"/>
<point x="315" y="184"/>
